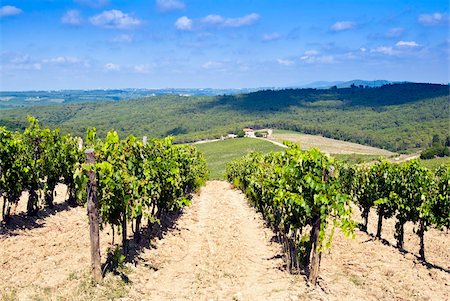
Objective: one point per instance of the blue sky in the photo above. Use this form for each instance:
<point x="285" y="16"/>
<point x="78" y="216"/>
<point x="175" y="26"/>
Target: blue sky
<point x="88" y="44"/>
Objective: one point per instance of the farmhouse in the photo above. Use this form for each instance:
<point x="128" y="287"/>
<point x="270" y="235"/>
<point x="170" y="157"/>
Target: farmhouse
<point x="249" y="132"/>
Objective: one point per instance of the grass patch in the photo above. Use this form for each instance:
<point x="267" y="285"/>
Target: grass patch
<point x="219" y="153"/>
<point x="356" y="158"/>
<point x="434" y="163"/>
<point x="356" y="280"/>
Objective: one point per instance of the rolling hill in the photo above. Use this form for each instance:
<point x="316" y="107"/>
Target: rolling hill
<point x="397" y="117"/>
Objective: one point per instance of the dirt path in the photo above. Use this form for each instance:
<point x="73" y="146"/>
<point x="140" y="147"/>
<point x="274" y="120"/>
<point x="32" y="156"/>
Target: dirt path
<point x="221" y="251"/>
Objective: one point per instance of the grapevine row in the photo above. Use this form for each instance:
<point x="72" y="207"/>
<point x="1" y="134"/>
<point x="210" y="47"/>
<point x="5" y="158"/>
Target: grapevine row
<point x="410" y="192"/>
<point x="134" y="180"/>
<point x="305" y="194"/>
<point x="137" y="180"/>
<point x="36" y="160"/>
<point x="300" y="195"/>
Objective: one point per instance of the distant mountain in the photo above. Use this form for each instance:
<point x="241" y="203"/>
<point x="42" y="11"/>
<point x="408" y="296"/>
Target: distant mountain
<point x="347" y="84"/>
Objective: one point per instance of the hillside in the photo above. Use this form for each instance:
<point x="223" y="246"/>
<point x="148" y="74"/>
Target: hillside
<point x="396" y="117"/>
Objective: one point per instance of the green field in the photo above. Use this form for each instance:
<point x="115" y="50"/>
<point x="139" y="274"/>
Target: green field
<point x="356" y="158"/>
<point x="219" y="153"/>
<point x="436" y="162"/>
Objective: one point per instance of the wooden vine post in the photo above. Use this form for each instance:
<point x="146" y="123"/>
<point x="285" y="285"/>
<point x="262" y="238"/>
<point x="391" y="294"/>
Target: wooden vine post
<point x="315" y="237"/>
<point x="137" y="235"/>
<point x="316" y="254"/>
<point x="92" y="207"/>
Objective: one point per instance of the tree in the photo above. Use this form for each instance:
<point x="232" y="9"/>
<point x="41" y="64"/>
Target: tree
<point x="436" y="140"/>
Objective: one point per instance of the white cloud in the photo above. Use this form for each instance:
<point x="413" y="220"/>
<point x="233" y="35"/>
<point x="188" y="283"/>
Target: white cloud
<point x="32" y="66"/>
<point x="143" y="68"/>
<point x="72" y="17"/>
<point x="93" y="3"/>
<point x="218" y="20"/>
<point x="123" y="38"/>
<point x="434" y="19"/>
<point x="394" y="32"/>
<point x="20" y="61"/>
<point x="63" y="60"/>
<point x="326" y="59"/>
<point x="271" y="36"/>
<point x="8" y="10"/>
<point x="169" y="5"/>
<point x="213" y="19"/>
<point x="66" y="60"/>
<point x="285" y="62"/>
<point x="407" y="44"/>
<point x="115" y="19"/>
<point x="212" y="65"/>
<point x="183" y="23"/>
<point x="311" y="52"/>
<point x="313" y="56"/>
<point x="387" y="50"/>
<point x="342" y="25"/>
<point x="111" y="67"/>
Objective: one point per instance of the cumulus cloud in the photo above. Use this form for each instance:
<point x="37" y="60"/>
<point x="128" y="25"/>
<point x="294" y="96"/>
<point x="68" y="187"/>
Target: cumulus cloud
<point x="115" y="19"/>
<point x="20" y="61"/>
<point x="313" y="56"/>
<point x="407" y="44"/>
<point x="271" y="36"/>
<point x="72" y="17"/>
<point x="169" y="5"/>
<point x="311" y="52"/>
<point x="434" y="19"/>
<point x="212" y="65"/>
<point x="342" y="25"/>
<point x="387" y="50"/>
<point x="8" y="10"/>
<point x="221" y="21"/>
<point x="93" y="3"/>
<point x="66" y="60"/>
<point x="31" y="66"/>
<point x="215" y="21"/>
<point x="184" y="23"/>
<point x="20" y="58"/>
<point x="63" y="60"/>
<point x="111" y="67"/>
<point x="143" y="68"/>
<point x="285" y="62"/>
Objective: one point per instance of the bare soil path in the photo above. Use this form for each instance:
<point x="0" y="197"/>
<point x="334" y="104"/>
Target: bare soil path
<point x="221" y="251"/>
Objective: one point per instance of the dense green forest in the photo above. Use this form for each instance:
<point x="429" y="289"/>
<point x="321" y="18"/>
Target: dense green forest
<point x="397" y="117"/>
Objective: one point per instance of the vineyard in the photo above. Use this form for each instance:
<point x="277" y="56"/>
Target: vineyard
<point x="302" y="195"/>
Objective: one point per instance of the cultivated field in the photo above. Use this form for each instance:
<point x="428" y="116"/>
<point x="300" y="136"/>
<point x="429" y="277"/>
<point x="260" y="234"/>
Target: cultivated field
<point x="328" y="145"/>
<point x="219" y="153"/>
<point x="217" y="249"/>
